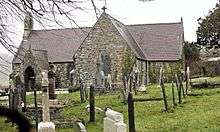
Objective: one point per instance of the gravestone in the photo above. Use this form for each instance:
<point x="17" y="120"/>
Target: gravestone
<point x="109" y="81"/>
<point x="51" y="78"/>
<point x="46" y="125"/>
<point x="143" y="79"/>
<point x="10" y="97"/>
<point x="188" y="88"/>
<point x="113" y="122"/>
<point x="18" y="90"/>
<point x="82" y="128"/>
<point x="16" y="102"/>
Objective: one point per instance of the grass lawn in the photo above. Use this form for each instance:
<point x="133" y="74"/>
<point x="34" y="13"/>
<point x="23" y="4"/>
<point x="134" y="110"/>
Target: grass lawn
<point x="199" y="112"/>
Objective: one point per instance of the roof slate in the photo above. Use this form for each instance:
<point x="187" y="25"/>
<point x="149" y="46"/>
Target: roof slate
<point x="153" y="42"/>
<point x="122" y="29"/>
<point x="60" y="44"/>
<point x="160" y="42"/>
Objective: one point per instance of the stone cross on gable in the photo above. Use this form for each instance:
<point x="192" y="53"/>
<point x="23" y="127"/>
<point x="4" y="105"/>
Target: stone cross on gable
<point x="104" y="8"/>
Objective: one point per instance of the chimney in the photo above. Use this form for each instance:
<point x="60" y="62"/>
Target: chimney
<point x="28" y="25"/>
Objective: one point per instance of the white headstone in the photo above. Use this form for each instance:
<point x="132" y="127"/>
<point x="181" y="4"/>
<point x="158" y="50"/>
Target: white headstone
<point x="81" y="127"/>
<point x="46" y="127"/>
<point x="113" y="122"/>
<point x="188" y="79"/>
<point x="142" y="88"/>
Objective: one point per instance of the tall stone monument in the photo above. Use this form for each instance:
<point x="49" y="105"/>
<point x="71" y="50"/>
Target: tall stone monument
<point x="51" y="77"/>
<point x="46" y="125"/>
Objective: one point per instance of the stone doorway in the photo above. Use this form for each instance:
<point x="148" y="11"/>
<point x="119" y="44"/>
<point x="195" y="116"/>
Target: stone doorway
<point x="29" y="78"/>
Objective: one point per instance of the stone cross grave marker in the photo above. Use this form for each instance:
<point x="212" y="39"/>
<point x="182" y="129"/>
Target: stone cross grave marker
<point x="45" y="98"/>
<point x="51" y="79"/>
<point x="46" y="125"/>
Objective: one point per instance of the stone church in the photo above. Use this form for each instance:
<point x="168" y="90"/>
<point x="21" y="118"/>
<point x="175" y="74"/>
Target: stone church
<point x="120" y="49"/>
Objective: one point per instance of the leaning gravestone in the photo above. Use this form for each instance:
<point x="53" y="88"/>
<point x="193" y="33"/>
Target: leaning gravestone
<point x="46" y="125"/>
<point x="113" y="122"/>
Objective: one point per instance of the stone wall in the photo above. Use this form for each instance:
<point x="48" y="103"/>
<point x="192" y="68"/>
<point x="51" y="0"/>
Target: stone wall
<point x="63" y="75"/>
<point x="20" y="68"/>
<point x="203" y="68"/>
<point x="62" y="70"/>
<point x="104" y="37"/>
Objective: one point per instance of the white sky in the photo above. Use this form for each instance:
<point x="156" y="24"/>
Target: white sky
<point x="137" y="12"/>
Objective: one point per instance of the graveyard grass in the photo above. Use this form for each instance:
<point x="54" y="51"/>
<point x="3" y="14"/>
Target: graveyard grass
<point x="198" y="112"/>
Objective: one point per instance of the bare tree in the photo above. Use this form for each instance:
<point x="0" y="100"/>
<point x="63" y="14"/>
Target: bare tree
<point x="44" y="12"/>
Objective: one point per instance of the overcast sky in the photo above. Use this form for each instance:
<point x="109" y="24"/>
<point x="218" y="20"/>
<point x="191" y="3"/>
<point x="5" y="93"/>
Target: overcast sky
<point x="137" y="12"/>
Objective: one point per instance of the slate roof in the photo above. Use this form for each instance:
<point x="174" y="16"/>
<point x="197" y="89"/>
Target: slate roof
<point x="128" y="37"/>
<point x="153" y="42"/>
<point x="160" y="42"/>
<point x="60" y="44"/>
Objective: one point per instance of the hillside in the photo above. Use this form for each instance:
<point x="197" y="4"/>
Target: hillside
<point x="5" y="67"/>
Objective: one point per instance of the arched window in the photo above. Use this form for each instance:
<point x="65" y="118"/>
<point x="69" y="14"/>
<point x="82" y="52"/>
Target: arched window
<point x="106" y="60"/>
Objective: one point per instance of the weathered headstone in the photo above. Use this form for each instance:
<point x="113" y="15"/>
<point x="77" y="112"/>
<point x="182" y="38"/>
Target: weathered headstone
<point x="81" y="88"/>
<point x="82" y="128"/>
<point x="163" y="89"/>
<point x="18" y="90"/>
<point x="173" y="95"/>
<point x="109" y="81"/>
<point x="92" y="104"/>
<point x="45" y="98"/>
<point x="51" y="78"/>
<point x="16" y="102"/>
<point x="131" y="116"/>
<point x="181" y="84"/>
<point x="46" y="125"/>
<point x="188" y="88"/>
<point x="142" y="88"/>
<point x="178" y="87"/>
<point x="113" y="122"/>
<point x="10" y="97"/>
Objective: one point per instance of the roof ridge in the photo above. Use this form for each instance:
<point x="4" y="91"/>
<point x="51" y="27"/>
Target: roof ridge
<point x="165" y="23"/>
<point x="61" y="29"/>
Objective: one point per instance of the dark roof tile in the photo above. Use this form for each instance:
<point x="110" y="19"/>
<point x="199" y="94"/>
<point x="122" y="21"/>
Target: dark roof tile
<point x="154" y="42"/>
